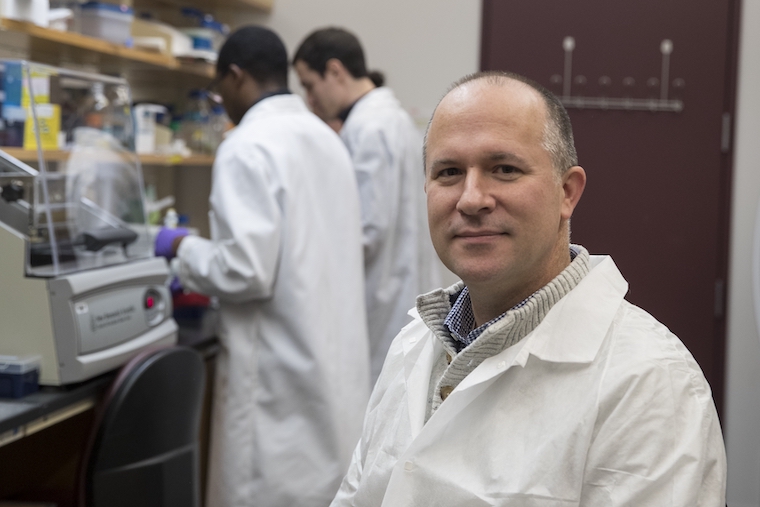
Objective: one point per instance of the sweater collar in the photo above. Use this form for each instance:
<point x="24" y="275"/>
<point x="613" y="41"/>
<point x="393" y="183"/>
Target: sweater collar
<point x="436" y="311"/>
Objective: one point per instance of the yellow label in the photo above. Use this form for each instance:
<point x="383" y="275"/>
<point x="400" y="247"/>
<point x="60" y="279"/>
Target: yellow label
<point x="48" y="115"/>
<point x="49" y="120"/>
<point x="40" y="84"/>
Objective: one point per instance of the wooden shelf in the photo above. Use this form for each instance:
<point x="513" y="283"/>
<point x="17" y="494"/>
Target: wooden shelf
<point x="68" y="46"/>
<point x="31" y="155"/>
<point x="264" y="5"/>
<point x="146" y="160"/>
<point x="176" y="160"/>
<point x="206" y="5"/>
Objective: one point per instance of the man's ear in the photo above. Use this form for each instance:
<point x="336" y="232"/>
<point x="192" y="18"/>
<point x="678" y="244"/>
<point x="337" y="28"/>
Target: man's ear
<point x="237" y="73"/>
<point x="573" y="183"/>
<point x="335" y="68"/>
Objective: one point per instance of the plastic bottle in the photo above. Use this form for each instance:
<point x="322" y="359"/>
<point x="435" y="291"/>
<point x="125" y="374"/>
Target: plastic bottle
<point x="195" y="128"/>
<point x="118" y="117"/>
<point x="219" y="123"/>
<point x="94" y="106"/>
<point x="171" y="219"/>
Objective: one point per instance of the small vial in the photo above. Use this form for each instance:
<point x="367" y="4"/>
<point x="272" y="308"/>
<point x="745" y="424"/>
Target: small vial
<point x="171" y="219"/>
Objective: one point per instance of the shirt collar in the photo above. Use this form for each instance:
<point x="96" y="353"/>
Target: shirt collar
<point x="343" y="115"/>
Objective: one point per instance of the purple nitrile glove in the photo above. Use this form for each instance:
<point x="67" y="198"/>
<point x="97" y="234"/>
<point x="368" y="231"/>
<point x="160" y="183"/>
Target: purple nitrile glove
<point x="164" y="240"/>
<point x="176" y="287"/>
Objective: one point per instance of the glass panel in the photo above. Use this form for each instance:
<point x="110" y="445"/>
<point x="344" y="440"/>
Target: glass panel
<point x="17" y="185"/>
<point x="87" y="209"/>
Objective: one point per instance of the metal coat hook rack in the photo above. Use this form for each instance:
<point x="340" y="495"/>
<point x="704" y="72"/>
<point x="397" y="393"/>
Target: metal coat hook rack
<point x="662" y="104"/>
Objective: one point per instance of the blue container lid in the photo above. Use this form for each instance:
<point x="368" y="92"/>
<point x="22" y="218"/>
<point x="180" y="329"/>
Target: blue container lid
<point x="198" y="94"/>
<point x="124" y="9"/>
<point x="17" y="365"/>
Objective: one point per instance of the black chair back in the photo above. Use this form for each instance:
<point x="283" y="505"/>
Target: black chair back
<point x="144" y="451"/>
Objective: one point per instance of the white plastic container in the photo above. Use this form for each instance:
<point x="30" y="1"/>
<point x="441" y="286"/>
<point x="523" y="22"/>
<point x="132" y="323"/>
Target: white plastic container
<point x="35" y="11"/>
<point x="202" y="42"/>
<point x="106" y="21"/>
<point x="60" y="19"/>
<point x="145" y="122"/>
<point x="177" y="43"/>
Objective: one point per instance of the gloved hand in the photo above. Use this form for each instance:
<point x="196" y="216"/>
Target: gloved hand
<point x="176" y="287"/>
<point x="165" y="240"/>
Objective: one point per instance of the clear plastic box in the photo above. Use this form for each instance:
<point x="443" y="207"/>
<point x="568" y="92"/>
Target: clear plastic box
<point x="19" y="375"/>
<point x="106" y="21"/>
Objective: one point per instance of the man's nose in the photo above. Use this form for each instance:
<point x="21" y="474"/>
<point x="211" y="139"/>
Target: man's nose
<point x="476" y="194"/>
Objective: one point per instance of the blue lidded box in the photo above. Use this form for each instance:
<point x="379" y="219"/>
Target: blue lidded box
<point x="19" y="375"/>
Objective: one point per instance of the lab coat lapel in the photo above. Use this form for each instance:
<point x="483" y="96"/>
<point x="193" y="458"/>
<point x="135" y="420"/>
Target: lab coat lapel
<point x="574" y="329"/>
<point x="419" y="353"/>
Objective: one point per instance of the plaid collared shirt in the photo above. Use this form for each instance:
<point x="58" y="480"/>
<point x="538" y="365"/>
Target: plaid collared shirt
<point x="461" y="321"/>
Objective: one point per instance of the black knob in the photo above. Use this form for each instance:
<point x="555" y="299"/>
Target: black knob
<point x="12" y="192"/>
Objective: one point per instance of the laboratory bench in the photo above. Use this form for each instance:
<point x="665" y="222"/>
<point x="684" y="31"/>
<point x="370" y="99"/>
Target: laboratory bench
<point x="37" y="465"/>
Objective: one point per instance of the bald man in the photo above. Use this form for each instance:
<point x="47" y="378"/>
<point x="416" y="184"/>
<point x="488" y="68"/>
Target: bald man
<point x="532" y="382"/>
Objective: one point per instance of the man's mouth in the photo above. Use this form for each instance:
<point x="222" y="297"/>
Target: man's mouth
<point x="478" y="233"/>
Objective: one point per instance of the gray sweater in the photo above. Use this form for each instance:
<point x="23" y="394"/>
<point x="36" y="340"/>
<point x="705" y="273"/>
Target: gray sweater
<point x="450" y="368"/>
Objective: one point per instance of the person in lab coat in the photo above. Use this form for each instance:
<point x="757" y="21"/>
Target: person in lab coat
<point x="285" y="261"/>
<point x="532" y="382"/>
<point x="385" y="147"/>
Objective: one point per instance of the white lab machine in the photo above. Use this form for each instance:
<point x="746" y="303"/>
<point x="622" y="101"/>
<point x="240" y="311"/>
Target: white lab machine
<point x="79" y="285"/>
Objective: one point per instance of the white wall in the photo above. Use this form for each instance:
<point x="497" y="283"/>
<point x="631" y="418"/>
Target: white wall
<point x="742" y="415"/>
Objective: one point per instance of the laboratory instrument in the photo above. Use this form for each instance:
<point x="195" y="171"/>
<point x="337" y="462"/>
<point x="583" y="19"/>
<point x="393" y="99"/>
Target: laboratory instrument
<point x="79" y="285"/>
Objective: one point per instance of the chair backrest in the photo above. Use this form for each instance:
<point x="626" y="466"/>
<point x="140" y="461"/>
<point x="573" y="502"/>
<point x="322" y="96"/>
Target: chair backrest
<point x="144" y="449"/>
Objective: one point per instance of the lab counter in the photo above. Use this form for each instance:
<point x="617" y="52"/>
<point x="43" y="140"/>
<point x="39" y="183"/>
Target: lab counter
<point x="27" y="415"/>
<point x="66" y="411"/>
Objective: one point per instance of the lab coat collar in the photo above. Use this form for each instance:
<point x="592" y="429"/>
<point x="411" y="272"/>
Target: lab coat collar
<point x="377" y="97"/>
<point x="572" y="331"/>
<point x="274" y="104"/>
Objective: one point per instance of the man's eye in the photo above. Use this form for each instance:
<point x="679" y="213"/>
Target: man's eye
<point x="449" y="171"/>
<point x="507" y="169"/>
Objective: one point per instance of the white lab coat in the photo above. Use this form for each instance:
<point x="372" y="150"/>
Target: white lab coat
<point x="600" y="406"/>
<point x="285" y="260"/>
<point x="399" y="260"/>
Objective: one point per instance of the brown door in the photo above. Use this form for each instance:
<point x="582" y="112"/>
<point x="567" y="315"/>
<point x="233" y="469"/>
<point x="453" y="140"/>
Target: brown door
<point x="650" y="93"/>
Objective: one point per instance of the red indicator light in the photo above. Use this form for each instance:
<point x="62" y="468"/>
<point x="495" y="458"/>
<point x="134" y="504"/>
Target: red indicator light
<point x="149" y="302"/>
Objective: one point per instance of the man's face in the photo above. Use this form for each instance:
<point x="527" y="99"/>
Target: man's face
<point x="322" y="92"/>
<point x="496" y="207"/>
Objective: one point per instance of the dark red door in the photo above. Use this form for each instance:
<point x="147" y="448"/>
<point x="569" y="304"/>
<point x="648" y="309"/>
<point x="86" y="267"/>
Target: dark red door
<point x="650" y="96"/>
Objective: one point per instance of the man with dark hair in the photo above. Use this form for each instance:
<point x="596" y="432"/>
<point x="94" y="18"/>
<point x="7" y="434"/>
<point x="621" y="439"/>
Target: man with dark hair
<point x="285" y="261"/>
<point x="384" y="144"/>
<point x="532" y="382"/>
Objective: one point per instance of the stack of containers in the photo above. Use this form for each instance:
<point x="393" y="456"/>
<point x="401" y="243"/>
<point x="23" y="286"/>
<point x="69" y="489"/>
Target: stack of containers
<point x="207" y="34"/>
<point x="106" y="21"/>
